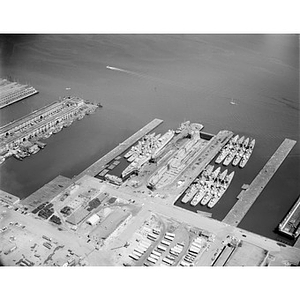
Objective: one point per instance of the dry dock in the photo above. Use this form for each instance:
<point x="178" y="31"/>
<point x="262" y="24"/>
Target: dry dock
<point x="96" y="167"/>
<point x="290" y="224"/>
<point x="248" y="197"/>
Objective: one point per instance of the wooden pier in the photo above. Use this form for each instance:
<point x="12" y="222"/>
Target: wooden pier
<point x="248" y="197"/>
<point x="96" y="167"/>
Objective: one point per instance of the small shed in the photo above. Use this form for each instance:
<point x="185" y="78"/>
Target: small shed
<point x="93" y="219"/>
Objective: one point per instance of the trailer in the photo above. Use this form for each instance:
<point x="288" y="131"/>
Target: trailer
<point x="162" y="248"/>
<point x="170" y="234"/>
<point x="164" y="242"/>
<point x="134" y="257"/>
<point x="137" y="252"/>
<point x="169" y="238"/>
<point x="151" y="260"/>
<point x="167" y="261"/>
<point x="156" y="252"/>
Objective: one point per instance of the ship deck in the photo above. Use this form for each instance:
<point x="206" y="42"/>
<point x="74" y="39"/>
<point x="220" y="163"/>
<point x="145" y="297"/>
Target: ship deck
<point x="249" y="196"/>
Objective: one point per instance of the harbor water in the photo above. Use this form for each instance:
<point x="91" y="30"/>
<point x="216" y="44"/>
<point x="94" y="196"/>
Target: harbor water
<point x="245" y="83"/>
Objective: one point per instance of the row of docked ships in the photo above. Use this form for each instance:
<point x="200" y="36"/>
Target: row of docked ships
<point x="237" y="151"/>
<point x="152" y="146"/>
<point x="209" y="187"/>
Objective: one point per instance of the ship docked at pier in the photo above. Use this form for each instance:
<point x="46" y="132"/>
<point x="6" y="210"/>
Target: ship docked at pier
<point x="11" y="92"/>
<point x="19" y="137"/>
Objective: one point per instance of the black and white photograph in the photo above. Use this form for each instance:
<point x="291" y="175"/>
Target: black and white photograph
<point x="149" y="149"/>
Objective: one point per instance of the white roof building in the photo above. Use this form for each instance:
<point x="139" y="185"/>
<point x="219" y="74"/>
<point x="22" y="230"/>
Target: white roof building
<point x="93" y="219"/>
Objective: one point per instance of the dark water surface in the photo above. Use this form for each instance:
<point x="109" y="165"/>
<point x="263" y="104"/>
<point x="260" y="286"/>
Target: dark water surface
<point x="172" y="77"/>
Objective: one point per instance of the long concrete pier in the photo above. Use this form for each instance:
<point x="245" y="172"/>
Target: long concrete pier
<point x="248" y="197"/>
<point x="11" y="92"/>
<point x="96" y="167"/>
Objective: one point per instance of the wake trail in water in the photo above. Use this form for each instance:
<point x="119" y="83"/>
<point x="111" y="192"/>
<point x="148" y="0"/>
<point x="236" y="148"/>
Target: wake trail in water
<point x="125" y="71"/>
<point x="148" y="77"/>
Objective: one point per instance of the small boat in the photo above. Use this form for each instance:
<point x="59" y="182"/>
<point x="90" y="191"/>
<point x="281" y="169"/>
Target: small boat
<point x="57" y="129"/>
<point x="128" y="154"/>
<point x="40" y="144"/>
<point x="47" y="134"/>
<point x="67" y="123"/>
<point x="132" y="157"/>
<point x="80" y="116"/>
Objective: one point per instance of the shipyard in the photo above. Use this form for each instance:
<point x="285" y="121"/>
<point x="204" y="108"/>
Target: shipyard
<point x="138" y="151"/>
<point x="99" y="218"/>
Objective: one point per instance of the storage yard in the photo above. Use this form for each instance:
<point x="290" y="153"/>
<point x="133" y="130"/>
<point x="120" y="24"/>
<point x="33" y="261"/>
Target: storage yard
<point x="130" y="219"/>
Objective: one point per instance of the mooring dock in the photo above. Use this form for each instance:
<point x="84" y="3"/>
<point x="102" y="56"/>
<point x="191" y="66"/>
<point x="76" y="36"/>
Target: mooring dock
<point x="42" y="121"/>
<point x="290" y="224"/>
<point x="248" y="197"/>
<point x="11" y="92"/>
<point x="96" y="167"/>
